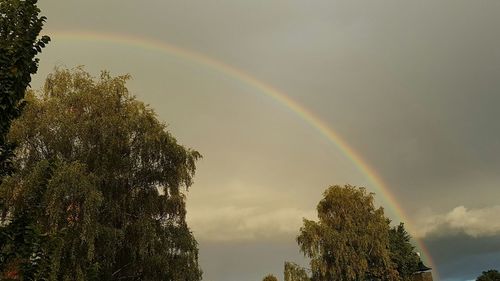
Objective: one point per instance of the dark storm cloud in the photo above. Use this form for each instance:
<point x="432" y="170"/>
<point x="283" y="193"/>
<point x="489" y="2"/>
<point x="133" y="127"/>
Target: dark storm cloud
<point x="461" y="257"/>
<point x="420" y="100"/>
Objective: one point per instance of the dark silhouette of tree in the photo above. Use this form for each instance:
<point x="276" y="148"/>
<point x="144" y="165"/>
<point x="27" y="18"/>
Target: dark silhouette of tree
<point x="490" y="275"/>
<point x="20" y="26"/>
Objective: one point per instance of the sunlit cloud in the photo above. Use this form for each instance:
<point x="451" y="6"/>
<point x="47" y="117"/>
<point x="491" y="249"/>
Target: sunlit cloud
<point x="480" y="222"/>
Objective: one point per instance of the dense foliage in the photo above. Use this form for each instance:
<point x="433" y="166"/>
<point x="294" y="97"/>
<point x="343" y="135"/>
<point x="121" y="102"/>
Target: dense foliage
<point x="293" y="272"/>
<point x="403" y="252"/>
<point x="270" y="277"/>
<point x="490" y="275"/>
<point x="20" y="25"/>
<point x="351" y="239"/>
<point x="104" y="181"/>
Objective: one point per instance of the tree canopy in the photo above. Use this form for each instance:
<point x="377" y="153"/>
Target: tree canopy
<point x="350" y="241"/>
<point x="490" y="275"/>
<point x="20" y="26"/>
<point x="270" y="277"/>
<point x="403" y="252"/>
<point x="105" y="182"/>
<point x="294" y="272"/>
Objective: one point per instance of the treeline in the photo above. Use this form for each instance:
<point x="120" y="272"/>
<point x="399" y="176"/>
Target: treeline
<point x="92" y="185"/>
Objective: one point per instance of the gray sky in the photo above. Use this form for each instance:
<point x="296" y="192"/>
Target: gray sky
<point x="412" y="86"/>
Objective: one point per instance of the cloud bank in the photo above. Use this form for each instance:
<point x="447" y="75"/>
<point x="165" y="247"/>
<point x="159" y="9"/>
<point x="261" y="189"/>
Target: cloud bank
<point x="481" y="222"/>
<point x="233" y="223"/>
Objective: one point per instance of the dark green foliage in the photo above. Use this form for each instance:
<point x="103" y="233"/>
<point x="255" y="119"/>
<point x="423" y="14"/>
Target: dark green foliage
<point x="24" y="248"/>
<point x="20" y="26"/>
<point x="112" y="202"/>
<point x="350" y="241"/>
<point x="403" y="252"/>
<point x="490" y="275"/>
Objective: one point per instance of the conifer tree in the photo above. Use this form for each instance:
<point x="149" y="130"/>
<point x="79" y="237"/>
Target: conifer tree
<point x="403" y="252"/>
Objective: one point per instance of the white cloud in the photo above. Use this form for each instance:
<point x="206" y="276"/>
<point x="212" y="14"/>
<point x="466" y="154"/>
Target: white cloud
<point x="473" y="222"/>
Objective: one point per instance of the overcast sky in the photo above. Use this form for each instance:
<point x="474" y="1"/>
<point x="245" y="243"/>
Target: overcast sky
<point x="412" y="86"/>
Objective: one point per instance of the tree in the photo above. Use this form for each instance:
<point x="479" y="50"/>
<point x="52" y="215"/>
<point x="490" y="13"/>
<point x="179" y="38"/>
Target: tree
<point x="350" y="241"/>
<point x="105" y="182"/>
<point x="490" y="275"/>
<point x="293" y="272"/>
<point x="20" y="25"/>
<point x="403" y="252"/>
<point x="270" y="277"/>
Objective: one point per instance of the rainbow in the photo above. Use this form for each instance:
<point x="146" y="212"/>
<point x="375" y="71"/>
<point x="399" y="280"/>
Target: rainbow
<point x="271" y="92"/>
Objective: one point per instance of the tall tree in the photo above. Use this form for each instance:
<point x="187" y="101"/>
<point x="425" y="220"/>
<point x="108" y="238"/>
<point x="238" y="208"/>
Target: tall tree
<point x="403" y="252"/>
<point x="107" y="180"/>
<point x="350" y="241"/>
<point x="20" y="26"/>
